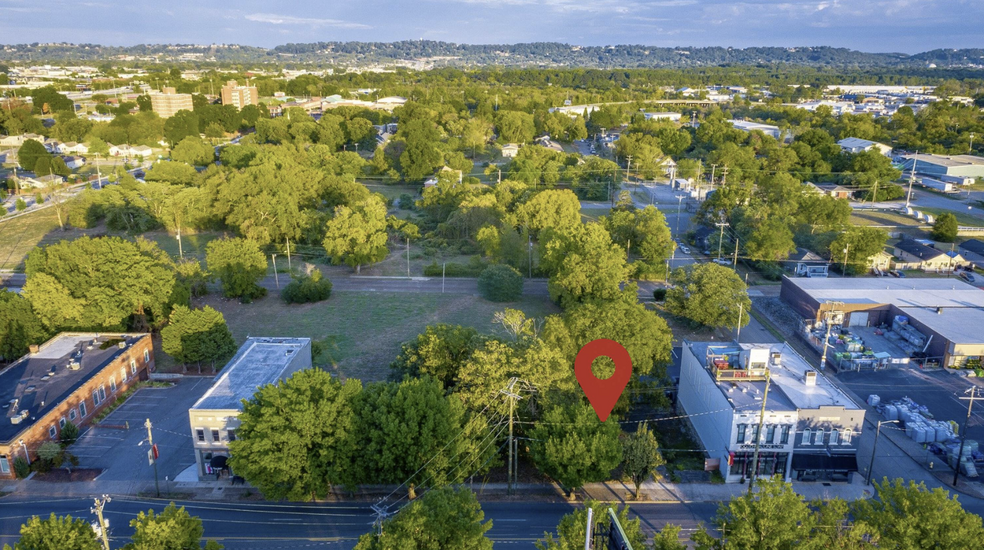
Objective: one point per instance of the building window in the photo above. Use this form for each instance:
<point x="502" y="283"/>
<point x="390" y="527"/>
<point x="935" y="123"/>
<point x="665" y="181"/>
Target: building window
<point x="200" y="435"/>
<point x="82" y="411"/>
<point x="72" y="415"/>
<point x="755" y="433"/>
<point x="61" y="423"/>
<point x="770" y="434"/>
<point x="4" y="465"/>
<point x="846" y="437"/>
<point x="741" y="434"/>
<point x="123" y="374"/>
<point x="95" y="398"/>
<point x="215" y="436"/>
<point x="52" y="432"/>
<point x="112" y="384"/>
<point x="133" y="366"/>
<point x="102" y="393"/>
<point x="146" y="356"/>
<point x="784" y="435"/>
<point x="231" y="434"/>
<point x="834" y="437"/>
<point x="807" y="437"/>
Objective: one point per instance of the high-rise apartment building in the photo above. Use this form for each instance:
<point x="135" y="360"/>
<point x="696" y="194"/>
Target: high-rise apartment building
<point x="168" y="102"/>
<point x="240" y="96"/>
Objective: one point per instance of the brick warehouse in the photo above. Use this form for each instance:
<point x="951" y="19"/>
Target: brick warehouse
<point x="70" y="378"/>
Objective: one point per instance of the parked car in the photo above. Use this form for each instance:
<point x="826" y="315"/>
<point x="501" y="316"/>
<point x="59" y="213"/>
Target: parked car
<point x="721" y="261"/>
<point x="685" y="249"/>
<point x="967" y="277"/>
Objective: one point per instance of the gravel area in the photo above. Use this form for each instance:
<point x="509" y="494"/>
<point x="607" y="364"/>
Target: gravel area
<point x="780" y="314"/>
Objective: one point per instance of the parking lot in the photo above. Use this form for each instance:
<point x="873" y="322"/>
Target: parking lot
<point x="118" y="451"/>
<point x="938" y="390"/>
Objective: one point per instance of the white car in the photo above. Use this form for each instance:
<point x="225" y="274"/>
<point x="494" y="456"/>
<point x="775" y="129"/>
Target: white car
<point x="685" y="249"/>
<point x="721" y="261"/>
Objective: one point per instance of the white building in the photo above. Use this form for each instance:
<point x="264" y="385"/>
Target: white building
<point x="810" y="430"/>
<point x="510" y="150"/>
<point x="749" y="126"/>
<point x="672" y="117"/>
<point x="858" y="145"/>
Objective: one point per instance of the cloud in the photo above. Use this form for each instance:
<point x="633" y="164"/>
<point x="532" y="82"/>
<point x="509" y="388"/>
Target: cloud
<point x="275" y="19"/>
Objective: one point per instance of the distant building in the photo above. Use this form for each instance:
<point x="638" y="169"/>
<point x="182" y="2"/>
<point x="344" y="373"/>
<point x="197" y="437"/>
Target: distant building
<point x="804" y="263"/>
<point x="915" y="255"/>
<point x="967" y="166"/>
<point x="857" y="145"/>
<point x="673" y="117"/>
<point x="810" y="430"/>
<point x="973" y="251"/>
<point x="73" y="163"/>
<point x="832" y="189"/>
<point x="168" y="102"/>
<point x="69" y="378"/>
<point x="214" y="418"/>
<point x="239" y="96"/>
<point x="17" y="141"/>
<point x="749" y="126"/>
<point x="510" y="150"/>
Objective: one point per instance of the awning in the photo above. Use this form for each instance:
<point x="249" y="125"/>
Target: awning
<point x="218" y="462"/>
<point x="847" y="463"/>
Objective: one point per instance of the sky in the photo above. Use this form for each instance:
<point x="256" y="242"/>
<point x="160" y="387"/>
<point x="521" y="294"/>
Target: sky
<point x="908" y="26"/>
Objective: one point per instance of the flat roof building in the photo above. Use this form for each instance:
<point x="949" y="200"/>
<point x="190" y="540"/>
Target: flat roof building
<point x="240" y="96"/>
<point x="810" y="430"/>
<point x="168" y="102"/>
<point x="68" y="379"/>
<point x="214" y="417"/>
<point x="749" y="126"/>
<point x="858" y="145"/>
<point x="943" y="165"/>
<point x="947" y="312"/>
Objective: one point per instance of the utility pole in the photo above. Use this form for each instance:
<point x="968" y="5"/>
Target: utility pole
<point x="276" y="277"/>
<point x="874" y="448"/>
<point x="844" y="267"/>
<point x="758" y="433"/>
<point x="713" y="169"/>
<point x="103" y="527"/>
<point x="970" y="150"/>
<point x="912" y="179"/>
<point x="721" y="238"/>
<point x="180" y="251"/>
<point x="628" y="167"/>
<point x="679" y="207"/>
<point x="963" y="433"/>
<point x="734" y="264"/>
<point x="724" y="174"/>
<point x="288" y="253"/>
<point x="512" y="396"/>
<point x="529" y="246"/>
<point x="444" y="269"/>
<point x="152" y="452"/>
<point x="408" y="257"/>
<point x="741" y="310"/>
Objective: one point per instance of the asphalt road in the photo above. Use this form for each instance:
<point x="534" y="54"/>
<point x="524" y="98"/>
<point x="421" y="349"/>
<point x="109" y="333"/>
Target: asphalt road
<point x="243" y="525"/>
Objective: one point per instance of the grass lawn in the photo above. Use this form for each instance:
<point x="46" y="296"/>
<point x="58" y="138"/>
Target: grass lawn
<point x="365" y="328"/>
<point x="591" y="214"/>
<point x="20" y="235"/>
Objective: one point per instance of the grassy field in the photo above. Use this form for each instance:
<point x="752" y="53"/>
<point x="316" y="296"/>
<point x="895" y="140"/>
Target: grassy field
<point x="365" y="329"/>
<point x="20" y="235"/>
<point x="592" y="214"/>
<point x="962" y="218"/>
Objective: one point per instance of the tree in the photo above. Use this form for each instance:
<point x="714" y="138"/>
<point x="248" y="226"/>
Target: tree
<point x="439" y="352"/>
<point x="441" y="519"/>
<point x="769" y="240"/>
<point x="642" y="456"/>
<point x="945" y="228"/>
<point x="240" y="265"/>
<point x="193" y="151"/>
<point x="172" y="529"/>
<point x="196" y="336"/>
<point x="500" y="283"/>
<point x="30" y="152"/>
<point x="69" y="434"/>
<point x="412" y="432"/>
<point x="710" y="295"/>
<point x="183" y="124"/>
<point x="861" y="243"/>
<point x="910" y="516"/>
<point x="19" y="326"/>
<point x="554" y="209"/>
<point x="357" y="235"/>
<point x="668" y="538"/>
<point x="573" y="447"/>
<point x="305" y="289"/>
<point x="584" y="264"/>
<point x="572" y="529"/>
<point x="57" y="533"/>
<point x="515" y="127"/>
<point x="102" y="283"/>
<point x="421" y="157"/>
<point x="296" y="438"/>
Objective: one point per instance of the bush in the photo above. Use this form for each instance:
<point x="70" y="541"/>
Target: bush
<point x="473" y="268"/>
<point x="500" y="283"/>
<point x="659" y="294"/>
<point x="21" y="468"/>
<point x="306" y="289"/>
<point x="20" y="205"/>
<point x="406" y="201"/>
<point x="69" y="434"/>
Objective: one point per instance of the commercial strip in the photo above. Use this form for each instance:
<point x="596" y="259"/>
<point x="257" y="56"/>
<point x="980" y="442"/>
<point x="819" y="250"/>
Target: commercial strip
<point x="68" y="379"/>
<point x="214" y="418"/>
<point x="810" y="429"/>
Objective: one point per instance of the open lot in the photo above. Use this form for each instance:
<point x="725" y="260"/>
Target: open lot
<point x="364" y="330"/>
<point x="938" y="390"/>
<point x="115" y="449"/>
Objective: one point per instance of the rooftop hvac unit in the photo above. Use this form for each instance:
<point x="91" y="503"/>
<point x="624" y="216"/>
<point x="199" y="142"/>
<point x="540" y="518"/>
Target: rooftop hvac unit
<point x="811" y="378"/>
<point x="18" y="418"/>
<point x="122" y="345"/>
<point x="776" y="358"/>
<point x="74" y="365"/>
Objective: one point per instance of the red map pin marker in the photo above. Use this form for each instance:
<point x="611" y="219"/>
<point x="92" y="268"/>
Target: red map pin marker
<point x="603" y="394"/>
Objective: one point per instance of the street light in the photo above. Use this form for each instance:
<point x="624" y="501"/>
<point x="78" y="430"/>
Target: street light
<point x="875" y="447"/>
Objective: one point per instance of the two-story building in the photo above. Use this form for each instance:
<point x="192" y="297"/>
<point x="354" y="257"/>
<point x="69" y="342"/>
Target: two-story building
<point x="68" y="379"/>
<point x="810" y="429"/>
<point x="214" y="417"/>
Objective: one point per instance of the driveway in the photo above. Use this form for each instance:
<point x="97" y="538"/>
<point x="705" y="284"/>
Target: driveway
<point x="118" y="451"/>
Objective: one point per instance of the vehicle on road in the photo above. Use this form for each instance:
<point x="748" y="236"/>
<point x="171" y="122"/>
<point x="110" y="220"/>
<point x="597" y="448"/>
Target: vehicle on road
<point x="685" y="249"/>
<point x="721" y="261"/>
<point x="967" y="277"/>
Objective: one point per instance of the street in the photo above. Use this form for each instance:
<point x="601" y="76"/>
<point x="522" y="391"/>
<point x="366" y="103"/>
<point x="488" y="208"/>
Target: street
<point x="250" y="525"/>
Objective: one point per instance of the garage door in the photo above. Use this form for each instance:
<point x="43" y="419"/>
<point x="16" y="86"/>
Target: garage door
<point x="858" y="319"/>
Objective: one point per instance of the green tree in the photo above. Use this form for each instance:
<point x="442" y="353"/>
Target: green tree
<point x="19" y="326"/>
<point x="584" y="264"/>
<point x="239" y="264"/>
<point x="769" y="240"/>
<point x="197" y="336"/>
<point x="945" y="228"/>
<point x="642" y="456"/>
<point x="572" y="446"/>
<point x="439" y="352"/>
<point x="441" y="519"/>
<point x="515" y="127"/>
<point x="500" y="283"/>
<point x="57" y="533"/>
<point x="296" y="439"/>
<point x="193" y="151"/>
<point x="861" y="243"/>
<point x="412" y="432"/>
<point x="183" y="124"/>
<point x="420" y="157"/>
<point x="357" y="235"/>
<point x="908" y="516"/>
<point x="710" y="295"/>
<point x="305" y="289"/>
<point x="554" y="209"/>
<point x="172" y="529"/>
<point x="20" y="205"/>
<point x="668" y="538"/>
<point x="30" y="152"/>
<point x="572" y="529"/>
<point x="69" y="434"/>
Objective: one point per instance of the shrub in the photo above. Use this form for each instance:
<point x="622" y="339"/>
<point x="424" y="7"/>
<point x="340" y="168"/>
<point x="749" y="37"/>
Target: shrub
<point x="39" y="198"/>
<point x="69" y="434"/>
<point x="306" y="289"/>
<point x="20" y="205"/>
<point x="500" y="283"/>
<point x="659" y="294"/>
<point x="473" y="268"/>
<point x="21" y="468"/>
<point x="406" y="201"/>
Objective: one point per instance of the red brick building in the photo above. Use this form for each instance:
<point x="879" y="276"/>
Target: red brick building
<point x="69" y="378"/>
